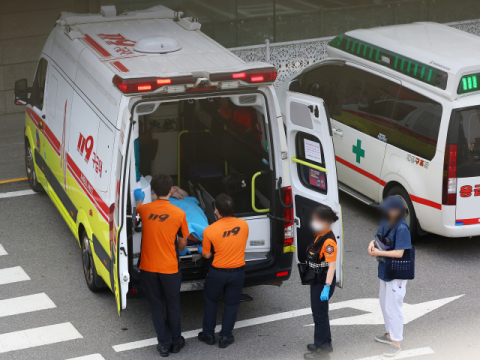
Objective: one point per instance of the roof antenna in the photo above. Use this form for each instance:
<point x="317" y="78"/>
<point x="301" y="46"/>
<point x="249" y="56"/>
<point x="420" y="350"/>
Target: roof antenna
<point x="176" y="16"/>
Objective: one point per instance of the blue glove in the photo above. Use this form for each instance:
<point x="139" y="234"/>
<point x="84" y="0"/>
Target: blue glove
<point x="199" y="248"/>
<point x="139" y="194"/>
<point x="325" y="293"/>
<point x="184" y="252"/>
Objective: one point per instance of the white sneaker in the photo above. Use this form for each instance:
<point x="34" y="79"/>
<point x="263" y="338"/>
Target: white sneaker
<point x="383" y="339"/>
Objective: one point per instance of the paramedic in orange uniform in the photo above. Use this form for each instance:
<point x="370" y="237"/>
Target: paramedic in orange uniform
<point x="323" y="285"/>
<point x="164" y="235"/>
<point x="228" y="236"/>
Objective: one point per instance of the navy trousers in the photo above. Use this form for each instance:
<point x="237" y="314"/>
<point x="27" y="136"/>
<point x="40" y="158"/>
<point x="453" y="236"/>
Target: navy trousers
<point x="230" y="284"/>
<point x="157" y="288"/>
<point x="323" y="336"/>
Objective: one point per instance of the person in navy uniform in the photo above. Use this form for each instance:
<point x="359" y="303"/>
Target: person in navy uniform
<point x="323" y="256"/>
<point x="392" y="291"/>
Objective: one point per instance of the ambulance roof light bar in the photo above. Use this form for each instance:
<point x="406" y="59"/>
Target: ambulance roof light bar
<point x="250" y="76"/>
<point x="130" y="86"/>
<point x="394" y="61"/>
<point x="468" y="83"/>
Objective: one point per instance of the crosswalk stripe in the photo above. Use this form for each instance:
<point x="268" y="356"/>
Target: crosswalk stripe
<point x="16" y="193"/>
<point x="404" y="354"/>
<point x="44" y="335"/>
<point x="13" y="274"/>
<point x="89" y="357"/>
<point x="2" y="250"/>
<point x="25" y="304"/>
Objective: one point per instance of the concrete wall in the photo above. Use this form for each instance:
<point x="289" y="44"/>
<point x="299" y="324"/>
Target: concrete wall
<point x="24" y="27"/>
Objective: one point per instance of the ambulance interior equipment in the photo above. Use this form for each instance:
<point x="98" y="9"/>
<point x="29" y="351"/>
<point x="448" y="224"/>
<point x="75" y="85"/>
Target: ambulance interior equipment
<point x="209" y="146"/>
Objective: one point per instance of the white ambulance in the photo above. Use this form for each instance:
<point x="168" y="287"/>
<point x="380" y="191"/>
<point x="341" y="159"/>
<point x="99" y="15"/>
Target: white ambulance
<point x="116" y="99"/>
<point x="405" y="107"/>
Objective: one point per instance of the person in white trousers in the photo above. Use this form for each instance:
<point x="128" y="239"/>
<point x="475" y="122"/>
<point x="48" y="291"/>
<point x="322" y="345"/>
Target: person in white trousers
<point x="392" y="291"/>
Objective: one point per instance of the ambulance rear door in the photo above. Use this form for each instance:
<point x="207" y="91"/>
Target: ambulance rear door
<point x="117" y="217"/>
<point x="313" y="170"/>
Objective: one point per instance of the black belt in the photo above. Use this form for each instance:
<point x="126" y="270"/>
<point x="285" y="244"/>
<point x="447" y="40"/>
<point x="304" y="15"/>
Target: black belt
<point x="228" y="270"/>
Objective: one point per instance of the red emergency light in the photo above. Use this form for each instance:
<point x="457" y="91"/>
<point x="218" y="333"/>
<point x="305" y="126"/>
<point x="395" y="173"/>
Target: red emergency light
<point x="129" y="86"/>
<point x="250" y="76"/>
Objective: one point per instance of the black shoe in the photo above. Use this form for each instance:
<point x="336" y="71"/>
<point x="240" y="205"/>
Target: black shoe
<point x="207" y="339"/>
<point x="163" y="350"/>
<point x="225" y="341"/>
<point x="312" y="347"/>
<point x="175" y="348"/>
<point x="317" y="355"/>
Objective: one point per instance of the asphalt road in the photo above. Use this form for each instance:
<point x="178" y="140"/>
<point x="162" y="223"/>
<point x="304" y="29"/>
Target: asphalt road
<point x="36" y="239"/>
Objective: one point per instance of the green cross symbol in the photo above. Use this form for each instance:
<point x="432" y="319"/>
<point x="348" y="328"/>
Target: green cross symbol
<point x="357" y="150"/>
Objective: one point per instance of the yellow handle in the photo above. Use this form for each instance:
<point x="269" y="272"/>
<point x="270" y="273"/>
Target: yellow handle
<point x="294" y="159"/>
<point x="253" y="195"/>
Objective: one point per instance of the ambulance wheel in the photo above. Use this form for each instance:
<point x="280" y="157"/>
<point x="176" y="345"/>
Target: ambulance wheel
<point x="30" y="168"/>
<point x="94" y="281"/>
<point x="410" y="218"/>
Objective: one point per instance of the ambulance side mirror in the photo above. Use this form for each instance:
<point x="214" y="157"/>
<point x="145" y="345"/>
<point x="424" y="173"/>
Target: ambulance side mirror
<point x="295" y="85"/>
<point x="21" y="92"/>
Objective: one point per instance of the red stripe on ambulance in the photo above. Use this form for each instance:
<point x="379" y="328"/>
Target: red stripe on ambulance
<point x="360" y="171"/>
<point x="119" y="66"/>
<point x="414" y="198"/>
<point x="88" y="188"/>
<point x="96" y="46"/>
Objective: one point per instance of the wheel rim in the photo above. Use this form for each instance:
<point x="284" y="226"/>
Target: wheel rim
<point x="87" y="253"/>
<point x="407" y="210"/>
<point x="32" y="177"/>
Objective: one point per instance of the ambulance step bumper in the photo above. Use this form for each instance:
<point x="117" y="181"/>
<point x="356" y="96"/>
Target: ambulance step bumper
<point x="348" y="190"/>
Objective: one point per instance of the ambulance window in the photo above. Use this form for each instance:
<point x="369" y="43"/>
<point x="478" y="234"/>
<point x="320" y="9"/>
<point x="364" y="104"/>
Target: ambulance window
<point x="368" y="102"/>
<point x="467" y="124"/>
<point x="323" y="82"/>
<point x="416" y="124"/>
<point x="309" y="149"/>
<point x="38" y="88"/>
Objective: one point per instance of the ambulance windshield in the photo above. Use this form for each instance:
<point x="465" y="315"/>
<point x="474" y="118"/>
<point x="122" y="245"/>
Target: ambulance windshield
<point x="467" y="123"/>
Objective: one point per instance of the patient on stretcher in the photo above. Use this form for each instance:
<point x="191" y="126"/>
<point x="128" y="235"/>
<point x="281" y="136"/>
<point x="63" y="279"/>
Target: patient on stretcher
<point x="196" y="218"/>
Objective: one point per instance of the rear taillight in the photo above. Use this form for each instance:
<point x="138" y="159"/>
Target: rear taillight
<point x="129" y="86"/>
<point x="288" y="215"/>
<point x="250" y="76"/>
<point x="449" y="195"/>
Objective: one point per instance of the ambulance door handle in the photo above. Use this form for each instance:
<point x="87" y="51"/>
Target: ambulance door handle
<point x="337" y="132"/>
<point x="43" y="116"/>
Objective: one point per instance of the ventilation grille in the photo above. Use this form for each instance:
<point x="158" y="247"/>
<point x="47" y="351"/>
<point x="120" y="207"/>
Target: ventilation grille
<point x="145" y="108"/>
<point x="248" y="99"/>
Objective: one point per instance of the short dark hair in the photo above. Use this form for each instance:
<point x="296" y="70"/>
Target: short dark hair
<point x="161" y="184"/>
<point x="224" y="205"/>
<point x="324" y="212"/>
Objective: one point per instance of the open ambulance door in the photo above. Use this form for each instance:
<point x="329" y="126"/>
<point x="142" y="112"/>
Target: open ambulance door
<point x="118" y="215"/>
<point x="313" y="171"/>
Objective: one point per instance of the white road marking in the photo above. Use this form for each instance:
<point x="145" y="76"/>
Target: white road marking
<point x="16" y="193"/>
<point x="89" y="357"/>
<point x="44" y="335"/>
<point x="374" y="317"/>
<point x="11" y="275"/>
<point x="404" y="354"/>
<point x="239" y="324"/>
<point x="2" y="251"/>
<point x="25" y="304"/>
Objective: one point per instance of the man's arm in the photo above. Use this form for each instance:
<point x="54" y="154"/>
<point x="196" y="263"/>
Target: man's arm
<point x="207" y="246"/>
<point x="206" y="256"/>
<point x="182" y="243"/>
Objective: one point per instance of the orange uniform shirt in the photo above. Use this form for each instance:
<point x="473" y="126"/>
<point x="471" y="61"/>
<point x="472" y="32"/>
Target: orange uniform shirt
<point x="329" y="248"/>
<point x="229" y="238"/>
<point x="162" y="222"/>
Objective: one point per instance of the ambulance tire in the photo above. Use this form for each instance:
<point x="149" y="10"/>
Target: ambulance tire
<point x="94" y="282"/>
<point x="411" y="217"/>
<point x="30" y="169"/>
